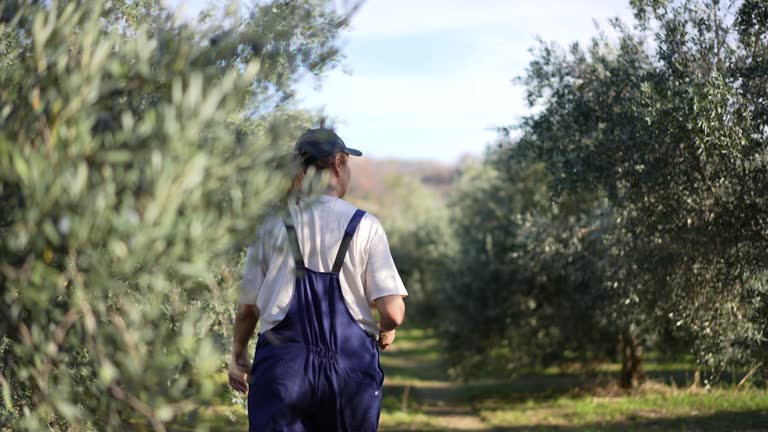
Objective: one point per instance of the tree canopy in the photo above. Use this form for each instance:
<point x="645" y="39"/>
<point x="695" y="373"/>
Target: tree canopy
<point x="646" y="149"/>
<point x="136" y="154"/>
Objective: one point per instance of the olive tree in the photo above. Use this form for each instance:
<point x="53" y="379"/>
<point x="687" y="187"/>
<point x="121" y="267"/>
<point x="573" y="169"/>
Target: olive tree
<point x="136" y="154"/>
<point x="666" y="122"/>
<point x="524" y="289"/>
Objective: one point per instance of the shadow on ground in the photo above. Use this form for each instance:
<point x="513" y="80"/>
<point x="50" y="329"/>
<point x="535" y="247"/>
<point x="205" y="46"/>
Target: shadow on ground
<point x="420" y="396"/>
<point x="745" y="421"/>
<point x="749" y="421"/>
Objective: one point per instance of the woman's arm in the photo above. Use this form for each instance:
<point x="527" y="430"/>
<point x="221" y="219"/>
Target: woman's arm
<point x="391" y="315"/>
<point x="245" y="322"/>
<point x="391" y="312"/>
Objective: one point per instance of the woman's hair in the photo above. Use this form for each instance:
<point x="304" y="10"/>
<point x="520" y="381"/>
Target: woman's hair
<point x="304" y="161"/>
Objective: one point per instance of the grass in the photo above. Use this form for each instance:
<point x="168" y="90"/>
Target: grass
<point x="419" y="396"/>
<point x="652" y="409"/>
<point x="553" y="400"/>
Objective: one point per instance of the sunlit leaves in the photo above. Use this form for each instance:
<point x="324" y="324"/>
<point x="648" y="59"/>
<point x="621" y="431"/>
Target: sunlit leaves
<point x="130" y="174"/>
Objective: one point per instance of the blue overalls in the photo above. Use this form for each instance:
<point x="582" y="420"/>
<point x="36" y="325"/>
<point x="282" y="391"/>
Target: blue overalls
<point x="317" y="370"/>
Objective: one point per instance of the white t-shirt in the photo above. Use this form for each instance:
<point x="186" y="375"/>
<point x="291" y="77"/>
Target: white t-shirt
<point x="368" y="272"/>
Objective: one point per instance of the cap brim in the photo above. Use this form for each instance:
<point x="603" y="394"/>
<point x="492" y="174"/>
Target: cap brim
<point x="353" y="152"/>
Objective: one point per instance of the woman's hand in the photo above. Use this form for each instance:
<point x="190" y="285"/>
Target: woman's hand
<point x="238" y="373"/>
<point x="245" y="322"/>
<point x="386" y="338"/>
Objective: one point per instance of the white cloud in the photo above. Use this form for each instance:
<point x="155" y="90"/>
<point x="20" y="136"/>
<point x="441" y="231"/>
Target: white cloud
<point x="366" y="95"/>
<point x="387" y="18"/>
<point x="399" y="112"/>
<point x="420" y="118"/>
<point x="450" y="112"/>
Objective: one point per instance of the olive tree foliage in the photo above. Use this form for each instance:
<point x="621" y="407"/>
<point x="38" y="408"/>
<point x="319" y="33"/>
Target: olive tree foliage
<point x="669" y="122"/>
<point x="589" y="101"/>
<point x="523" y="289"/>
<point x="646" y="153"/>
<point x="136" y="154"/>
<point x="417" y="226"/>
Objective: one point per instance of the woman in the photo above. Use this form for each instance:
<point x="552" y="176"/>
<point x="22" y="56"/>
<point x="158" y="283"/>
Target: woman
<point x="312" y="280"/>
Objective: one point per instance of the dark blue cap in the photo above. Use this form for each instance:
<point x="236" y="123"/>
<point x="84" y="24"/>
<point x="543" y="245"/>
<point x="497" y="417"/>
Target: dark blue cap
<point x="322" y="143"/>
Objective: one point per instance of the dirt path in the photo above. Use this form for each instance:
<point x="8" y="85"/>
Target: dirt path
<point x="419" y="395"/>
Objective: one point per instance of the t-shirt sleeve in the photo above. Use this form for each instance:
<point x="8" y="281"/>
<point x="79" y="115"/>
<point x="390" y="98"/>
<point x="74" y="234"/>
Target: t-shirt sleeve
<point x="381" y="277"/>
<point x="256" y="263"/>
<point x="253" y="276"/>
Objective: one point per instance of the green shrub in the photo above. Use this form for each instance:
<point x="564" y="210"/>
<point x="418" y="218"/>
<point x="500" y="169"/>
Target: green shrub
<point x="136" y="154"/>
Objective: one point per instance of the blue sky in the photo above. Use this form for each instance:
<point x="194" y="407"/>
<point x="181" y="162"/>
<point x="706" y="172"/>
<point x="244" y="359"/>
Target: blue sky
<point x="430" y="79"/>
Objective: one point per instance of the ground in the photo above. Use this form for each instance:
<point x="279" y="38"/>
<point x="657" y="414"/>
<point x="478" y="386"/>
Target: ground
<point x="419" y="396"/>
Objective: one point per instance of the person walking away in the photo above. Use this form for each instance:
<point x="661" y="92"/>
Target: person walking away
<point x="312" y="280"/>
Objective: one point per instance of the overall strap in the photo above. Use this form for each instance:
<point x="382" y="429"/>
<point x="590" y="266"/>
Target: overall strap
<point x="348" y="233"/>
<point x="293" y="243"/>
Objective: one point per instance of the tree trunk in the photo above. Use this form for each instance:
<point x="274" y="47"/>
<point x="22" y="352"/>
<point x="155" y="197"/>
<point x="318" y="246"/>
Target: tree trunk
<point x="696" y="378"/>
<point x="632" y="375"/>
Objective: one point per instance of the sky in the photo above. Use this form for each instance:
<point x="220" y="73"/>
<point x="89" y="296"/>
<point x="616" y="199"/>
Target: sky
<point x="432" y="79"/>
